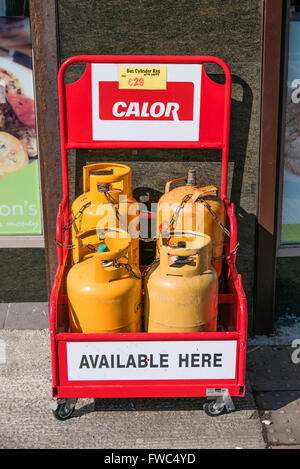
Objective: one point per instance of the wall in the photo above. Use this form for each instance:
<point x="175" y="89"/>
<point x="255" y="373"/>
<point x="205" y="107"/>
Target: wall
<point x="227" y="29"/>
<point x="23" y="276"/>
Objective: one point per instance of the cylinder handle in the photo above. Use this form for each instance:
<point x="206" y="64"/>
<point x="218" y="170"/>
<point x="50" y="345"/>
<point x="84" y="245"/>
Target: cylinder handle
<point x="174" y="181"/>
<point x="106" y="255"/>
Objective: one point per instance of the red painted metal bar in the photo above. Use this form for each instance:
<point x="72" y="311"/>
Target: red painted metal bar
<point x="242" y="327"/>
<point x="146" y="336"/>
<point x="59" y="235"/>
<point x="52" y="327"/>
<point x="233" y="231"/>
<point x="110" y="144"/>
<point x="143" y="59"/>
<point x="147" y="391"/>
<point x="225" y="152"/>
<point x="64" y="155"/>
<point x="170" y="59"/>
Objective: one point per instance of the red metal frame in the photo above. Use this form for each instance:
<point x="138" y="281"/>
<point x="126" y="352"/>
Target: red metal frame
<point x="234" y="299"/>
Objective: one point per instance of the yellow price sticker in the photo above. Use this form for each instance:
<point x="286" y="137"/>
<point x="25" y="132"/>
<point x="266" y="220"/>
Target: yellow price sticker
<point x="143" y="78"/>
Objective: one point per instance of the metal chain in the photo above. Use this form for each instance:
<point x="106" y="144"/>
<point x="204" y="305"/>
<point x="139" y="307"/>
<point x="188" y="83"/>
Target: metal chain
<point x="172" y="226"/>
<point x="76" y="216"/>
<point x="174" y="220"/>
<point x="229" y="253"/>
<point x="202" y="201"/>
<point x="127" y="267"/>
<point x="156" y="261"/>
<point x="67" y="246"/>
<point x="226" y="231"/>
<point x="71" y="246"/>
<point x="175" y="217"/>
<point x="110" y="200"/>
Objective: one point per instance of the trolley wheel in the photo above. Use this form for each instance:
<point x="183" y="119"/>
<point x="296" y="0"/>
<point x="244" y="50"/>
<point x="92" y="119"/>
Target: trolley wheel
<point x="63" y="411"/>
<point x="213" y="409"/>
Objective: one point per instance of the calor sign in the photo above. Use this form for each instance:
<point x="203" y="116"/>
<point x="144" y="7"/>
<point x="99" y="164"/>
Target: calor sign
<point x="172" y="114"/>
<point x="145" y="110"/>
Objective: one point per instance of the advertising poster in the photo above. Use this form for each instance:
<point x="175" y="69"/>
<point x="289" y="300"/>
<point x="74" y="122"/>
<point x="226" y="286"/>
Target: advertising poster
<point x="291" y="184"/>
<point x="20" y="206"/>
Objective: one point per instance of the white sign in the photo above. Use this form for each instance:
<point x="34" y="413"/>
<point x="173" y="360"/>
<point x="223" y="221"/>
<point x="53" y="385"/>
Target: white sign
<point x="97" y="361"/>
<point x="136" y="115"/>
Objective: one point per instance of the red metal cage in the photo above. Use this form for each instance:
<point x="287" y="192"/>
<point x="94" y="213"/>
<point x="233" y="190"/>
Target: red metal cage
<point x="75" y="101"/>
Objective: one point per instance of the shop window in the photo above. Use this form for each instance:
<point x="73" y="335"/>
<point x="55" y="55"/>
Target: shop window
<point x="20" y="207"/>
<point x="290" y="216"/>
<point x="287" y="301"/>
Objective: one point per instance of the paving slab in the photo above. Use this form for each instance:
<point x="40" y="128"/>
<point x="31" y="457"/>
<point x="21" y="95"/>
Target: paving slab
<point x="27" y="316"/>
<point x="276" y="401"/>
<point x="285" y="447"/>
<point x="26" y="420"/>
<point x="3" y="313"/>
<point x="281" y="417"/>
<point x="275" y="380"/>
<point x="272" y="369"/>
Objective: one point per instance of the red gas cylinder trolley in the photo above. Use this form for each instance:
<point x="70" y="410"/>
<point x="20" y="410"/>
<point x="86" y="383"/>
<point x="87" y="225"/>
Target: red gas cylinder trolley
<point x="94" y="114"/>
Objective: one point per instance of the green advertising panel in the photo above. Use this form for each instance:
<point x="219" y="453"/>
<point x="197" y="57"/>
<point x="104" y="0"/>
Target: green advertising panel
<point x="20" y="206"/>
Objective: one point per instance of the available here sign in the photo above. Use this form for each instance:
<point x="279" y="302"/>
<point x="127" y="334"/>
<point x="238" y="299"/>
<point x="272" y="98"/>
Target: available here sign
<point x="192" y="360"/>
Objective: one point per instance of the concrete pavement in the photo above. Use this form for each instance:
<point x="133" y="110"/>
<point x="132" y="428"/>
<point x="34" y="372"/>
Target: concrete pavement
<point x="24" y="315"/>
<point x="26" y="420"/>
<point x="268" y="417"/>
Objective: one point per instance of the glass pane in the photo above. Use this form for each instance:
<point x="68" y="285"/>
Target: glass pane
<point x="287" y="288"/>
<point x="290" y="233"/>
<point x="14" y="7"/>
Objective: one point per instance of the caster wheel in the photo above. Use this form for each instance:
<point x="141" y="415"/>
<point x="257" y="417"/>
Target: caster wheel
<point x="213" y="409"/>
<point x="63" y="412"/>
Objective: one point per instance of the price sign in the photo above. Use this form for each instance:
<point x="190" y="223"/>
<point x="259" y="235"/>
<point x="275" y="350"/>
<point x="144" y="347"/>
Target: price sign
<point x="143" y="77"/>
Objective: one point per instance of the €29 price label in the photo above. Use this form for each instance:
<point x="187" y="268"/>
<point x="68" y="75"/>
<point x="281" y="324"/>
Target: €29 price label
<point x="143" y="77"/>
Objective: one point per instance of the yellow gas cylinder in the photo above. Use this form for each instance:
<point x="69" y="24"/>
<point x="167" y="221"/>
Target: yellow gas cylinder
<point x="106" y="202"/>
<point x="181" y="292"/>
<point x="190" y="207"/>
<point x="104" y="290"/>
